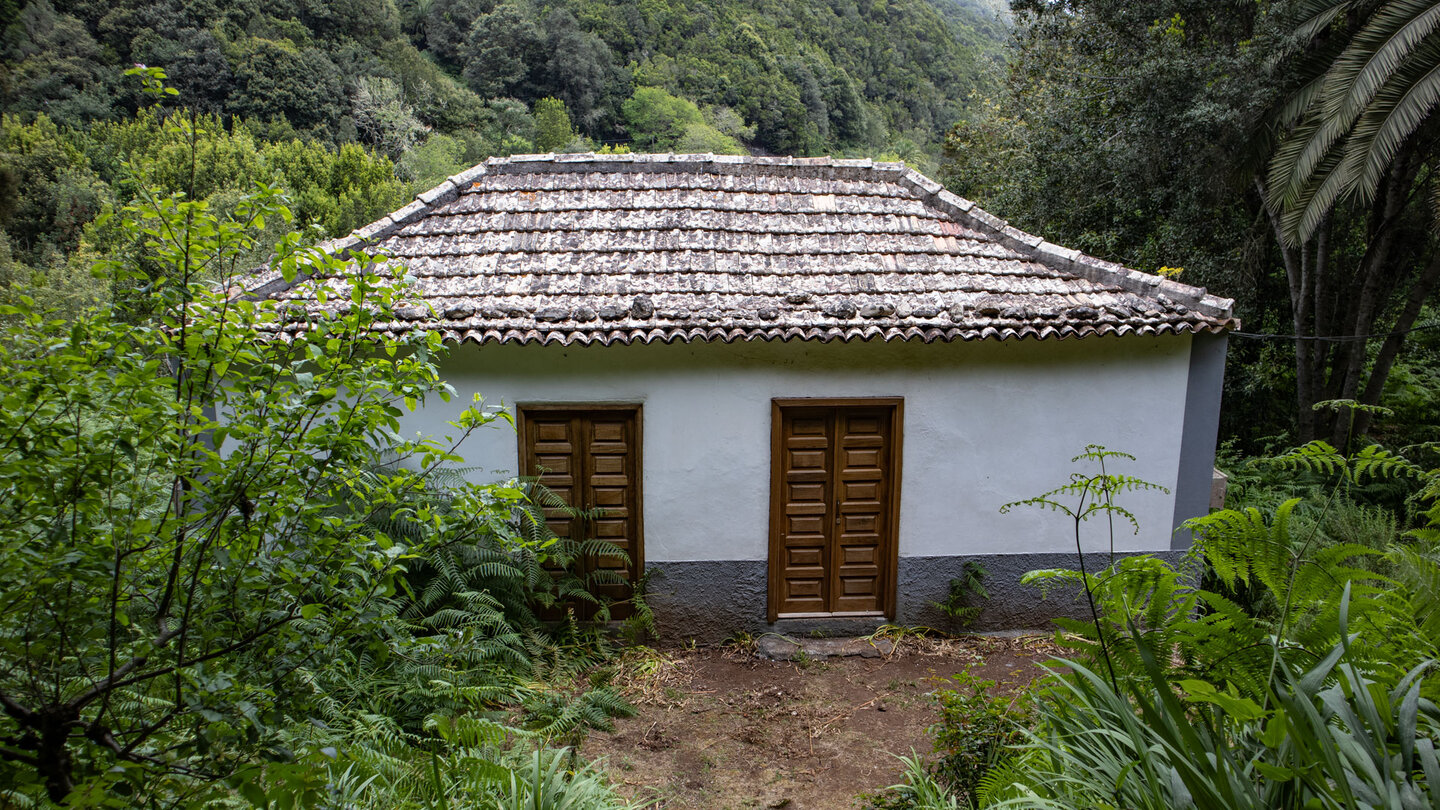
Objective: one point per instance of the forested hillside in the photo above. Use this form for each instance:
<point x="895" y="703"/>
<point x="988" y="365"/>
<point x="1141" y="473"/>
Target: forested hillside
<point x="809" y="76"/>
<point x="348" y="106"/>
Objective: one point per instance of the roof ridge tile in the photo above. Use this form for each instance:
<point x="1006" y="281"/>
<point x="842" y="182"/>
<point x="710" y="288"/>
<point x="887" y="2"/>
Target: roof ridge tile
<point x="469" y="176"/>
<point x="443" y="193"/>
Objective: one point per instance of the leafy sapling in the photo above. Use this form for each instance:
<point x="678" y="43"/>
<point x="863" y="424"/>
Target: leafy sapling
<point x="1087" y="496"/>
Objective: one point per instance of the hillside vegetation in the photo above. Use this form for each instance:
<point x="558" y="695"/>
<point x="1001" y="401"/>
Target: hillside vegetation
<point x="798" y="76"/>
<point x="349" y="106"/>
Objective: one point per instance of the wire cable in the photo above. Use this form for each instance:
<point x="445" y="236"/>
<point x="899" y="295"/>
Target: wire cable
<point x="1336" y="338"/>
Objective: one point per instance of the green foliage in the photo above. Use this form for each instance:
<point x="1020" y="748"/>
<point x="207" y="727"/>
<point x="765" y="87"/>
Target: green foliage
<point x="232" y="577"/>
<point x="660" y="122"/>
<point x="1139" y="133"/>
<point x="809" y="76"/>
<point x="173" y="551"/>
<point x="1144" y="597"/>
<point x="1333" y="737"/>
<point x="1257" y="575"/>
<point x="56" y="184"/>
<point x="1262" y="581"/>
<point x="920" y="791"/>
<point x="975" y="732"/>
<point x="301" y="86"/>
<point x="351" y="105"/>
<point x="1368" y="89"/>
<point x="959" y="604"/>
<point x="1245" y="547"/>
<point x="1087" y="496"/>
<point x="544" y="783"/>
<point x="1117" y="133"/>
<point x="1429" y="495"/>
<point x="48" y="194"/>
<point x="639" y="627"/>
<point x="1090" y="495"/>
<point x="383" y="118"/>
<point x="553" y="129"/>
<point x="569" y="718"/>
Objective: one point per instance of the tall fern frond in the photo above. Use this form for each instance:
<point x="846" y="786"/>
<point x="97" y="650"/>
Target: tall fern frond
<point x="1244" y="545"/>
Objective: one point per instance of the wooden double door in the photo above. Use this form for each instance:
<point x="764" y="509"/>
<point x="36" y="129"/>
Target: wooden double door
<point x="835" y="496"/>
<point x="589" y="457"/>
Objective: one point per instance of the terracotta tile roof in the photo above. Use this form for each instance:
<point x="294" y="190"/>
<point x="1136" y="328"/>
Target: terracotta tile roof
<point x="624" y="248"/>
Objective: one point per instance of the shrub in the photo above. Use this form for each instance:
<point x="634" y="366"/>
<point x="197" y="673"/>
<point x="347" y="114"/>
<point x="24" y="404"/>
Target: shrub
<point x="975" y="733"/>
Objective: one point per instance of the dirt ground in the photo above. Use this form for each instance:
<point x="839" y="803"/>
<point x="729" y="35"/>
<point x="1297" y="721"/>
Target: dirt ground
<point x="722" y="728"/>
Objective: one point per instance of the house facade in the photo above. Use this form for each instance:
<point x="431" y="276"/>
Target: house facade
<point x="797" y="391"/>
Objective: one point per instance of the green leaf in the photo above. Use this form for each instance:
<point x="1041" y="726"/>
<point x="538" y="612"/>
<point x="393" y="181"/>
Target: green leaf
<point x="1276" y="730"/>
<point x="1274" y="772"/>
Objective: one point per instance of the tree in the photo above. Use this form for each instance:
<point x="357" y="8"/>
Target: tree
<point x="187" y="502"/>
<point x="657" y="120"/>
<point x="552" y="125"/>
<point x="661" y="122"/>
<point x="581" y="70"/>
<point x="1357" y="135"/>
<point x="501" y="49"/>
<point x="1128" y="131"/>
<point x="1365" y="100"/>
<point x="278" y="79"/>
<point x="383" y="118"/>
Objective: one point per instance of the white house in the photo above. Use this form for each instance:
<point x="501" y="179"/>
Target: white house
<point x="800" y="389"/>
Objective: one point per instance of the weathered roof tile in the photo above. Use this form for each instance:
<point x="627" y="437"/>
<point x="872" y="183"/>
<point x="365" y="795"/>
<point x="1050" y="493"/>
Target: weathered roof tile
<point x="643" y="248"/>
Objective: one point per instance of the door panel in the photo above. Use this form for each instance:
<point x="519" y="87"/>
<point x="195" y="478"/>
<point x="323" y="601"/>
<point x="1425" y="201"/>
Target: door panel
<point x="807" y="495"/>
<point x="835" y="485"/>
<point x="863" y="437"/>
<point x="553" y="454"/>
<point x="590" y="458"/>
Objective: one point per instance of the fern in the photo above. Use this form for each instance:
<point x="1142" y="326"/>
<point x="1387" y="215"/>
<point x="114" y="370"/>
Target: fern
<point x="558" y="717"/>
<point x="1137" y="595"/>
<point x="1321" y="458"/>
<point x="469" y="731"/>
<point x="1416" y="601"/>
<point x="1242" y="547"/>
<point x="1298" y="558"/>
<point x="1010" y="779"/>
<point x="1085" y="497"/>
<point x="1429" y="493"/>
<point x="462" y="664"/>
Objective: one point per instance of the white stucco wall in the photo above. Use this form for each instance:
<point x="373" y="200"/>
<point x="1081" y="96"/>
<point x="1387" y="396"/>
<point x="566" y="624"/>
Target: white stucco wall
<point x="984" y="423"/>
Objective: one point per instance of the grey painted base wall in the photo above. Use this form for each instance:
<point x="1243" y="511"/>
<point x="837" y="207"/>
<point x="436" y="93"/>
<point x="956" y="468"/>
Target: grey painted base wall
<point x="710" y="601"/>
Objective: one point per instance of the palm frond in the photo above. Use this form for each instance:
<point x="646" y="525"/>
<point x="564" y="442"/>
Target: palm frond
<point x="1356" y="107"/>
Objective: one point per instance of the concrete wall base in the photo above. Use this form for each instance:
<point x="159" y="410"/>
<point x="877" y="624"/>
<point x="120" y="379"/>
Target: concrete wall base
<point x="709" y="601"/>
